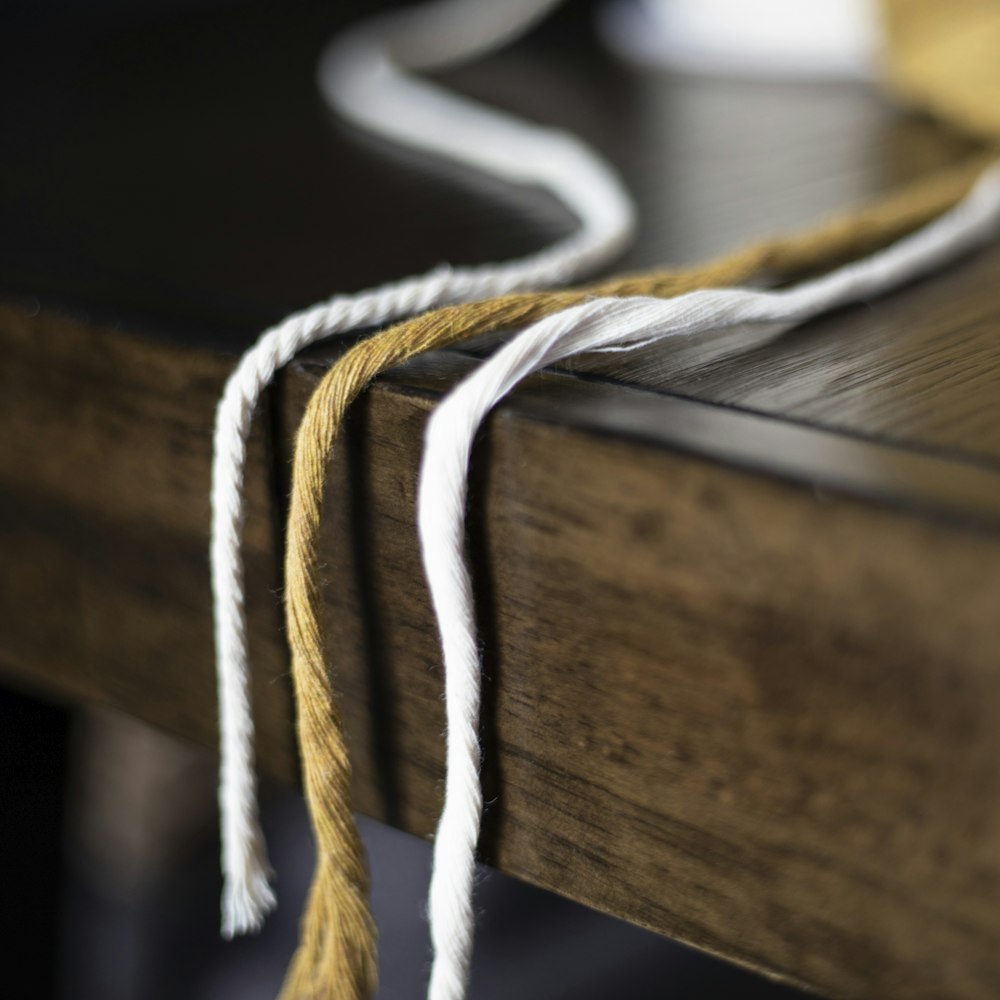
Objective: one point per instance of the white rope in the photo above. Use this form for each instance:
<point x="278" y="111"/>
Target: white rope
<point x="601" y="324"/>
<point x="361" y="75"/>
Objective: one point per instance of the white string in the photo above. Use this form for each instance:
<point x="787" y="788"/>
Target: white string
<point x="361" y="75"/>
<point x="600" y="324"/>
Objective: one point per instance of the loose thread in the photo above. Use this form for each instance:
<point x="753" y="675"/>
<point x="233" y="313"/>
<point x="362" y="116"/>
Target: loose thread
<point x="599" y="324"/>
<point x="362" y="76"/>
<point x="321" y="740"/>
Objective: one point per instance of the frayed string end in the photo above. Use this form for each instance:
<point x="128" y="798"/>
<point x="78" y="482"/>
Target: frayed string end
<point x="245" y="906"/>
<point x="338" y="948"/>
<point x="247" y="896"/>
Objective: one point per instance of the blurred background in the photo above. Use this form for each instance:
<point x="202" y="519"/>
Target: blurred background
<point x="123" y="904"/>
<point x="109" y="836"/>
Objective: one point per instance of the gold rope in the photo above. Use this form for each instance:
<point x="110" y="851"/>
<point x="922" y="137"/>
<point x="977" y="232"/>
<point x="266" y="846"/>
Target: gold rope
<point x="337" y="952"/>
<point x="944" y="56"/>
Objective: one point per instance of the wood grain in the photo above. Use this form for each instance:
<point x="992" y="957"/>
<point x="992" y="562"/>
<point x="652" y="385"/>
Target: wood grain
<point x="919" y="368"/>
<point x="757" y="719"/>
<point x="105" y="456"/>
<point x="738" y="601"/>
<point x="749" y="715"/>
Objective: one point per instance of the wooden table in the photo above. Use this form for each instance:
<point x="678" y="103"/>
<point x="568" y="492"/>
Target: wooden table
<point x="739" y="602"/>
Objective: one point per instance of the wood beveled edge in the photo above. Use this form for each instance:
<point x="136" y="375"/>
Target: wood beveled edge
<point x="957" y="489"/>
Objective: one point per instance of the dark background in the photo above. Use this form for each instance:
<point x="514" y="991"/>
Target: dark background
<point x="158" y="159"/>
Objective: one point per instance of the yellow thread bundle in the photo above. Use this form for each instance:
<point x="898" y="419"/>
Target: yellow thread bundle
<point x="944" y="55"/>
<point x="337" y="952"/>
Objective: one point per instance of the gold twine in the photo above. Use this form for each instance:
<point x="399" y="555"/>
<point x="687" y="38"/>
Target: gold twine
<point x="943" y="56"/>
<point x="337" y="954"/>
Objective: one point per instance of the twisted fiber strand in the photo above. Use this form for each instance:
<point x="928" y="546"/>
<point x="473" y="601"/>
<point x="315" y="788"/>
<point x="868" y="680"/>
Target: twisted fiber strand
<point x="598" y="324"/>
<point x="337" y="935"/>
<point x="359" y="75"/>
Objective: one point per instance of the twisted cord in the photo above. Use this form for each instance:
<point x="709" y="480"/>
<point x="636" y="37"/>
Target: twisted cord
<point x="362" y="76"/>
<point x="320" y="736"/>
<point x="595" y="325"/>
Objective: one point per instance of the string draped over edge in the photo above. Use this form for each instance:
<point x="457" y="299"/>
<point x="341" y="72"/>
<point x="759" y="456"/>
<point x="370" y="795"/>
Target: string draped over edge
<point x="337" y="950"/>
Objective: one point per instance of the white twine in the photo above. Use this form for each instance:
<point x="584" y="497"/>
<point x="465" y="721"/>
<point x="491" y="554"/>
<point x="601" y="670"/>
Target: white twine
<point x="601" y="324"/>
<point x="361" y="75"/>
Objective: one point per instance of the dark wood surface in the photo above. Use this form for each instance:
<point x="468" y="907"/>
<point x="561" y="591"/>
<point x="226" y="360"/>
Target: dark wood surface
<point x="738" y="601"/>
